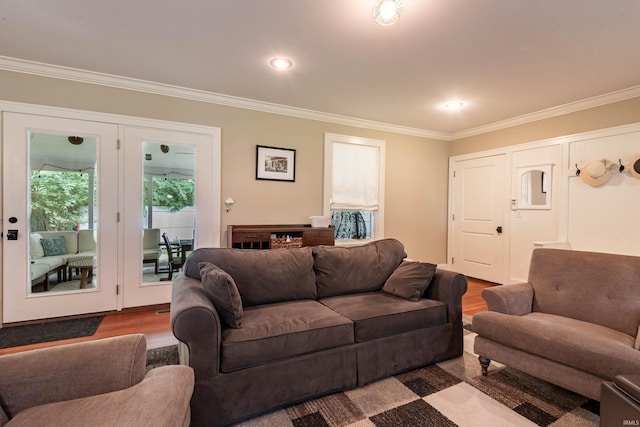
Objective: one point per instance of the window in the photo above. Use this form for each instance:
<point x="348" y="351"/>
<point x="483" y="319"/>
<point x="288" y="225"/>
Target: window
<point x="354" y="186"/>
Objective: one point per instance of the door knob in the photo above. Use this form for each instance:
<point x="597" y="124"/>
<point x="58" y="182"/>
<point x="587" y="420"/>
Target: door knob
<point x="499" y="229"/>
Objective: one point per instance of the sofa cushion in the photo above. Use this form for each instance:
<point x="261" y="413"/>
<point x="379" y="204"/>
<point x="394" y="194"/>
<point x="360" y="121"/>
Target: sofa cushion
<point x="35" y="246"/>
<point x="592" y="348"/>
<point x="282" y="330"/>
<point x="223" y="293"/>
<point x="53" y="246"/>
<point x="410" y="280"/>
<point x="348" y="270"/>
<point x="378" y="315"/>
<point x="262" y="277"/>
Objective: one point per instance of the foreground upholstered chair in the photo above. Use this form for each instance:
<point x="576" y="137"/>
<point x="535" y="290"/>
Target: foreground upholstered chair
<point x="94" y="383"/>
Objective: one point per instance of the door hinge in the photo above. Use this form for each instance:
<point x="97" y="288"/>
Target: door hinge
<point x="452" y="262"/>
<point x="453" y="217"/>
<point x="454" y="174"/>
<point x="117" y="216"/>
<point x="117" y="289"/>
<point x="118" y="144"/>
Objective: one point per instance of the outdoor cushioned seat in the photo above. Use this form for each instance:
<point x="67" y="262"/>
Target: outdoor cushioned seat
<point x="378" y="315"/>
<point x="282" y="330"/>
<point x="554" y="337"/>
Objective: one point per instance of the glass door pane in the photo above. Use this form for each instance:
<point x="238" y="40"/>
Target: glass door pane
<point x="63" y="212"/>
<point x="168" y="196"/>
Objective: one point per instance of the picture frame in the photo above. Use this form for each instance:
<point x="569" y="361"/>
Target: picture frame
<point x="275" y="164"/>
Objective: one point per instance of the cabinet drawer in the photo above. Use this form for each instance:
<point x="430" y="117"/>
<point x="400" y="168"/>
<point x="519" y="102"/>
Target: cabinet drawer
<point x="241" y="237"/>
<point x="318" y="237"/>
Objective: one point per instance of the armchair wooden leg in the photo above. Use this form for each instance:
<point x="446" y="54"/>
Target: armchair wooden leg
<point x="484" y="363"/>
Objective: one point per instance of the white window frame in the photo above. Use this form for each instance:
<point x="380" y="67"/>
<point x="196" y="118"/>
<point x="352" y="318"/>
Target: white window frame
<point x="377" y="231"/>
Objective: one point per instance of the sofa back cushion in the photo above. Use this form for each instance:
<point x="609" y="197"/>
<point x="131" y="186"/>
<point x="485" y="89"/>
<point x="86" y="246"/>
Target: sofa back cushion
<point x="87" y="240"/>
<point x="262" y="277"/>
<point x="593" y="287"/>
<point x="348" y="270"/>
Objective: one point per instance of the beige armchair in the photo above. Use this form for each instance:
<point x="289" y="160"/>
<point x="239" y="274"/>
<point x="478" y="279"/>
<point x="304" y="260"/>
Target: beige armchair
<point x="151" y="247"/>
<point x="93" y="383"/>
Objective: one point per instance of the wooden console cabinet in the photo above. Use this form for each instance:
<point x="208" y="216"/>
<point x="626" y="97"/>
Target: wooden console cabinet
<point x="278" y="236"/>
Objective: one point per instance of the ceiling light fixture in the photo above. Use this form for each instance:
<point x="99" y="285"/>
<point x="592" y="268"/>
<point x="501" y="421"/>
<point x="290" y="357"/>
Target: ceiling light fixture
<point x="453" y="105"/>
<point x="281" y="63"/>
<point x="75" y="140"/>
<point x="387" y="12"/>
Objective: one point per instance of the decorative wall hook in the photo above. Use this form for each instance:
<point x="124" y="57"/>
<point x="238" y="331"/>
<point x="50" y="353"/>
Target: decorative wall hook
<point x="577" y="170"/>
<point x="621" y="168"/>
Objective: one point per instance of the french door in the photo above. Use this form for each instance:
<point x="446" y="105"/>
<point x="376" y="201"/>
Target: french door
<point x="168" y="186"/>
<point x="60" y="204"/>
<point x="86" y="204"/>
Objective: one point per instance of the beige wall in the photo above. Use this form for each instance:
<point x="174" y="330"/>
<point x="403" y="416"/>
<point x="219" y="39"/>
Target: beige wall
<point x="416" y="175"/>
<point x="616" y="114"/>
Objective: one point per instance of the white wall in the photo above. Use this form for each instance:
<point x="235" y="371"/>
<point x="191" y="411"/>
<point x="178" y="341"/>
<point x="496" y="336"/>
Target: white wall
<point x="605" y="218"/>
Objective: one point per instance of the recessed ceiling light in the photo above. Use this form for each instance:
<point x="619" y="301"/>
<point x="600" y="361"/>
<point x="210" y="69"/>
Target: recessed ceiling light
<point x="281" y="63"/>
<point x="453" y="105"/>
<point x="387" y="12"/>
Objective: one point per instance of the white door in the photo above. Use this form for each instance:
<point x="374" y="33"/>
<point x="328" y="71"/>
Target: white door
<point x="478" y="218"/>
<point x="59" y="182"/>
<point x="171" y="187"/>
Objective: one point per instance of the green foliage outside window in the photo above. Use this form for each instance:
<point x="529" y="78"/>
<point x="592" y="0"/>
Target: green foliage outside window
<point x="59" y="200"/>
<point x="172" y="193"/>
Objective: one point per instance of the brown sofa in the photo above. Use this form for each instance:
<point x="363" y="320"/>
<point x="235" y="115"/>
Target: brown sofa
<point x="574" y="324"/>
<point x="94" y="383"/>
<point x="313" y="321"/>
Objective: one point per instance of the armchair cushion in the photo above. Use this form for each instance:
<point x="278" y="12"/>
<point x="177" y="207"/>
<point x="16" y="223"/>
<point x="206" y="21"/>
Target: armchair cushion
<point x="636" y="345"/>
<point x="410" y="280"/>
<point x="223" y="293"/>
<point x="568" y="341"/>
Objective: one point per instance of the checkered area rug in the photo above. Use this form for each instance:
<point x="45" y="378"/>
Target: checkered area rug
<point x="450" y="393"/>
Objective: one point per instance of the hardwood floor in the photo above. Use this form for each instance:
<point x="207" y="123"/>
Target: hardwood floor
<point x="154" y="323"/>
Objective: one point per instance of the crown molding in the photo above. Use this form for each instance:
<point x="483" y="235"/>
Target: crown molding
<point x="572" y="107"/>
<point x="92" y="77"/>
<point x="110" y="80"/>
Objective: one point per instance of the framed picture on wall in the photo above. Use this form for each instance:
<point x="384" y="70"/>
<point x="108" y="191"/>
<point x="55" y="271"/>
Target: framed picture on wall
<point x="275" y="164"/>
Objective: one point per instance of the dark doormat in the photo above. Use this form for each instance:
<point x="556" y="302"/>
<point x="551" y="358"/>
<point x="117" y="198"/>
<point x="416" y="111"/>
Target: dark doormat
<point x="15" y="336"/>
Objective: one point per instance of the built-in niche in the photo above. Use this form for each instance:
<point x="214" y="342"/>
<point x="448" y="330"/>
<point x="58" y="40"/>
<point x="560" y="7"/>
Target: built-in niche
<point x="534" y="187"/>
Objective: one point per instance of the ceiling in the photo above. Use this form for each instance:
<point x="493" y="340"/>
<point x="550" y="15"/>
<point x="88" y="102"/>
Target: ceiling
<point x="504" y="58"/>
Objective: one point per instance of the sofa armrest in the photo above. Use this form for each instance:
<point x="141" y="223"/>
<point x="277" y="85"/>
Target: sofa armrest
<point x="161" y="399"/>
<point x="448" y="287"/>
<point x="71" y="371"/>
<point x="509" y="299"/>
<point x="196" y="324"/>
